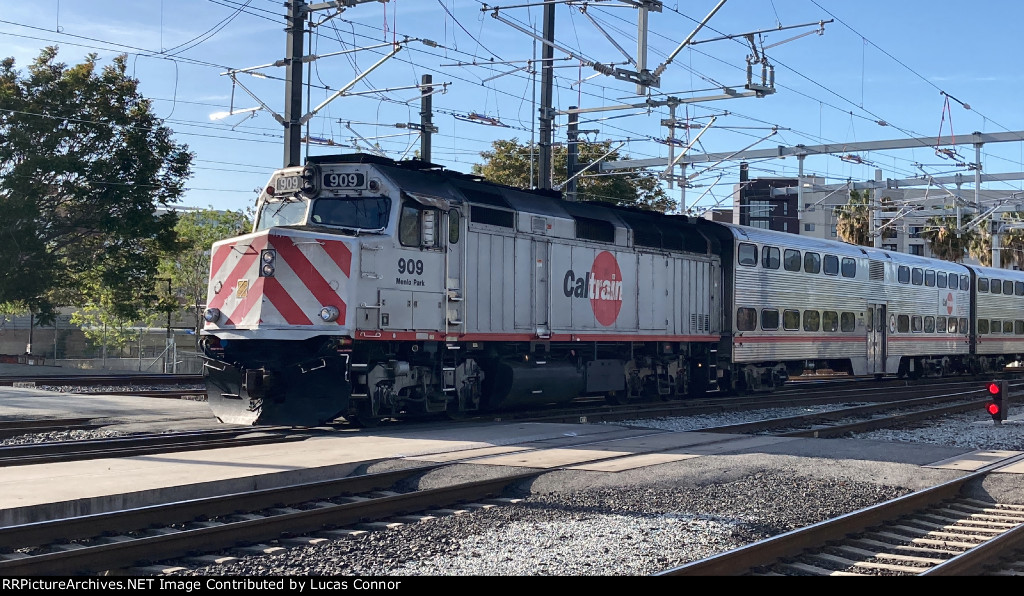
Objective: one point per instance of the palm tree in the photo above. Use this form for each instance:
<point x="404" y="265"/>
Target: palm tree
<point x="853" y="219"/>
<point x="945" y="242"/>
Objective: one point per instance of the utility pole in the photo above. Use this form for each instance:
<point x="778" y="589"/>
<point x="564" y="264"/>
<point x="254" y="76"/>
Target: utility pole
<point x="547" y="79"/>
<point x="293" y="83"/>
<point x="572" y="153"/>
<point x="426" y="117"/>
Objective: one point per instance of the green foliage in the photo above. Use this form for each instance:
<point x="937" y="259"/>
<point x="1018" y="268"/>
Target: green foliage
<point x="188" y="267"/>
<point x="944" y="241"/>
<point x="106" y="330"/>
<point x="508" y="163"/>
<point x="853" y="221"/>
<point x="84" y="165"/>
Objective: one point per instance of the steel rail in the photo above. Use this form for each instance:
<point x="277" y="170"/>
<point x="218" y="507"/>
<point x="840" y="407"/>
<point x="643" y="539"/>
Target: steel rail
<point x="124" y="554"/>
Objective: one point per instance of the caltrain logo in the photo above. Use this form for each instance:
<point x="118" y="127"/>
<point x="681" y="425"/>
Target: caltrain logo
<point x="948" y="303"/>
<point x="602" y="285"/>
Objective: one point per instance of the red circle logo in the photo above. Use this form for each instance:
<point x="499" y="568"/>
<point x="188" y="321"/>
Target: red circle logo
<point x="606" y="288"/>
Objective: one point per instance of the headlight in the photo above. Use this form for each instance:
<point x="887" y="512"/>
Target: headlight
<point x="212" y="315"/>
<point x="329" y="313"/>
<point x="268" y="256"/>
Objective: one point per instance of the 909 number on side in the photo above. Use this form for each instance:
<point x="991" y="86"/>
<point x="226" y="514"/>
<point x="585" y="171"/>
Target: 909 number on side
<point x="410" y="266"/>
<point x="345" y="180"/>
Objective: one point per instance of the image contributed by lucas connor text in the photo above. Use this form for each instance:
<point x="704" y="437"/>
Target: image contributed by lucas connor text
<point x="290" y="585"/>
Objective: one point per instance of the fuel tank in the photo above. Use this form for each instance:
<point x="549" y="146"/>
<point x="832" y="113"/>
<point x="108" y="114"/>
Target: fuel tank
<point x="510" y="384"/>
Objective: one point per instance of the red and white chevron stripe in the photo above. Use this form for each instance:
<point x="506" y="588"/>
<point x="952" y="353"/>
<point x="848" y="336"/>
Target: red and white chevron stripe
<point x="310" y="273"/>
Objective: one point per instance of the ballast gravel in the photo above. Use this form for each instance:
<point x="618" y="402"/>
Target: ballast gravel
<point x="576" y="525"/>
<point x="588" y="524"/>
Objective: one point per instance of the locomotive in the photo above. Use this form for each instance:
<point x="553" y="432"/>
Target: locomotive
<point x="371" y="288"/>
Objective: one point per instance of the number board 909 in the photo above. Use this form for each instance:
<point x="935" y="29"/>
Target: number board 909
<point x="345" y="180"/>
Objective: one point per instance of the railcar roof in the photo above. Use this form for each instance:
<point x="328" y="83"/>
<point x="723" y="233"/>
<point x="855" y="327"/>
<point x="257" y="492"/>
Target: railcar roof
<point x="788" y="240"/>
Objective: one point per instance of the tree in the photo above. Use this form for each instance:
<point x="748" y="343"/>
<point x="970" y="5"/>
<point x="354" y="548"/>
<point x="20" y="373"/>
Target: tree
<point x="945" y="242"/>
<point x="84" y="167"/>
<point x="853" y="221"/>
<point x="189" y="267"/>
<point x="508" y="163"/>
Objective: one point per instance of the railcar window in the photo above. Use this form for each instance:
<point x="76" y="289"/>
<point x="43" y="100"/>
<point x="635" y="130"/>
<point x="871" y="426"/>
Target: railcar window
<point x="453" y="226"/>
<point x="964" y="330"/>
<point x="849" y="268"/>
<point x="848" y="322"/>
<point x="940" y="324"/>
<point x="1018" y="327"/>
<point x="929" y="324"/>
<point x="1008" y="287"/>
<point x="903" y="323"/>
<point x="812" y="320"/>
<point x="982" y="326"/>
<point x="1018" y="288"/>
<point x="916" y="276"/>
<point x="769" y="319"/>
<point x="770" y="257"/>
<point x="996" y="286"/>
<point x="812" y="262"/>
<point x="996" y="326"/>
<point x="965" y="283"/>
<point x="870" y="319"/>
<point x="929" y="278"/>
<point x="951" y="325"/>
<point x="831" y="265"/>
<point x="282" y="212"/>
<point x="940" y="279"/>
<point x="746" y="319"/>
<point x="357" y="213"/>
<point x="952" y="281"/>
<point x="915" y="324"/>
<point x="791" y="260"/>
<point x="903" y="274"/>
<point x="982" y="284"/>
<point x="747" y="254"/>
<point x="1007" y="326"/>
<point x="791" y="320"/>
<point x="829" y="320"/>
<point x="409" y="225"/>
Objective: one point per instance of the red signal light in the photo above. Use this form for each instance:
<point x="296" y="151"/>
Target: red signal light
<point x="993" y="388"/>
<point x="993" y="409"/>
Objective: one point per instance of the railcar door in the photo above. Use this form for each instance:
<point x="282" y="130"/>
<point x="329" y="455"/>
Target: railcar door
<point x="454" y="272"/>
<point x="876" y="338"/>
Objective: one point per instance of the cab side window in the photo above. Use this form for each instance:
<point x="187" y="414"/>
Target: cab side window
<point x="418" y="225"/>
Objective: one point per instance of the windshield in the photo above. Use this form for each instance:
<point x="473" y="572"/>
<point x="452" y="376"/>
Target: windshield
<point x="286" y="212"/>
<point x="364" y="213"/>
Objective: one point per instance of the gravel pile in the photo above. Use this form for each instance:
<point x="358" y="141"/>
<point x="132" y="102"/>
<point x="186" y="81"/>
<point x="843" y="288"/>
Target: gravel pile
<point x="623" y="531"/>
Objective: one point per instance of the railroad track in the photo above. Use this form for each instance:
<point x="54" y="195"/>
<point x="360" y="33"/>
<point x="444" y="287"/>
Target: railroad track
<point x="937" y="531"/>
<point x="14" y="428"/>
<point x="128" y="542"/>
<point x="142" y="444"/>
<point x="89" y="380"/>
<point x="843" y="421"/>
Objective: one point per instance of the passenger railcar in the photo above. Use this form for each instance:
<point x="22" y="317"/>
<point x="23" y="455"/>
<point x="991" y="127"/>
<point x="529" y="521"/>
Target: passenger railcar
<point x="800" y="303"/>
<point x="371" y="288"/>
<point x="997" y="316"/>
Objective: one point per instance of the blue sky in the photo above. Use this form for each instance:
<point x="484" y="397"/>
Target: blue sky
<point x="876" y="61"/>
